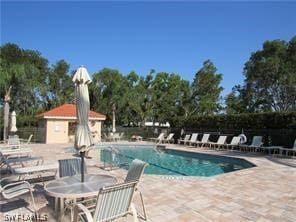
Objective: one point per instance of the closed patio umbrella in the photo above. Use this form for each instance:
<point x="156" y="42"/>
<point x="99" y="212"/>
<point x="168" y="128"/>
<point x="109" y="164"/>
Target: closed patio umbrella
<point x="13" y="128"/>
<point x="83" y="137"/>
<point x="113" y="120"/>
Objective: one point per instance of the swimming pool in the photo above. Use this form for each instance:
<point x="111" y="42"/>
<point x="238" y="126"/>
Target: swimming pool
<point x="171" y="162"/>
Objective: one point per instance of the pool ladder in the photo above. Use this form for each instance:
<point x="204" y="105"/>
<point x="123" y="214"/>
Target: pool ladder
<point x="112" y="158"/>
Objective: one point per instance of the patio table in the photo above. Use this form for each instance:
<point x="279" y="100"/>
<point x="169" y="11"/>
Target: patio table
<point x="73" y="188"/>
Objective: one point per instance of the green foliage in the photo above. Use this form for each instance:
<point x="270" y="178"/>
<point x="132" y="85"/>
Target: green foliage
<point x="235" y="102"/>
<point x="270" y="83"/>
<point x="269" y="120"/>
<point x="58" y="88"/>
<point x="206" y="90"/>
<point x="138" y="99"/>
<point x="24" y="71"/>
<point x="34" y="86"/>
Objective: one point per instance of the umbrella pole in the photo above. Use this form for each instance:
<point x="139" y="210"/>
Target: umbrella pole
<point x="82" y="166"/>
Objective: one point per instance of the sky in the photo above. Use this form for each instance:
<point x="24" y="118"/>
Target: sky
<point x="170" y="36"/>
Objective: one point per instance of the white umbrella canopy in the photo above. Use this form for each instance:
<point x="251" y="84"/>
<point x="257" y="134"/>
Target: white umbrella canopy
<point x="83" y="137"/>
<point x="13" y="122"/>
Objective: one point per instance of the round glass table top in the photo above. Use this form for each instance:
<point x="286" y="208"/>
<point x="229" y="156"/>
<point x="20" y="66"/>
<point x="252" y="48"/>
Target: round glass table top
<point x="72" y="187"/>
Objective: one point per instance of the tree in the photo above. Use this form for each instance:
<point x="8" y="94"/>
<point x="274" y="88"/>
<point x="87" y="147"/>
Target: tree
<point x="24" y="71"/>
<point x="35" y="87"/>
<point x="108" y="87"/>
<point x="133" y="98"/>
<point x="206" y="90"/>
<point x="58" y="88"/>
<point x="235" y="102"/>
<point x="270" y="83"/>
<point x="169" y="96"/>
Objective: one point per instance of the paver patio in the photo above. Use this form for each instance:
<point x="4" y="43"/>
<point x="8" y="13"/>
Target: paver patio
<point x="263" y="193"/>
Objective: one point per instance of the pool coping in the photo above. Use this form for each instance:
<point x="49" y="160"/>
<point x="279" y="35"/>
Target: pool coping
<point x="260" y="161"/>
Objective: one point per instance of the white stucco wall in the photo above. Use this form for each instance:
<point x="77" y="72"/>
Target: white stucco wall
<point x="57" y="131"/>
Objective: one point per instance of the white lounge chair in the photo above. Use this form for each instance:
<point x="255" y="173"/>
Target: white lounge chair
<point x="204" y="140"/>
<point x="106" y="137"/>
<point x="158" y="139"/>
<point x="220" y="142"/>
<point x="193" y="139"/>
<point x="255" y="145"/>
<point x="115" y="137"/>
<point x="169" y="138"/>
<point x="15" y="152"/>
<point x="121" y="136"/>
<point x="23" y="161"/>
<point x="27" y="141"/>
<point x="38" y="170"/>
<point x="113" y="202"/>
<point x="185" y="140"/>
<point x="234" y="142"/>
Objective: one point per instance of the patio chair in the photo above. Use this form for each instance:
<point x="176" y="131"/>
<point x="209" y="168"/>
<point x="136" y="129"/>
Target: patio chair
<point x="14" y="189"/>
<point x="113" y="202"/>
<point x="14" y="141"/>
<point x="234" y="142"/>
<point x="26" y="142"/>
<point x="134" y="174"/>
<point x="14" y="145"/>
<point x="121" y="136"/>
<point x="9" y="152"/>
<point x="169" y="138"/>
<point x="115" y="137"/>
<point x="220" y="142"/>
<point x="105" y="137"/>
<point x="70" y="167"/>
<point x="185" y="140"/>
<point x="37" y="170"/>
<point x="254" y="146"/>
<point x="12" y="162"/>
<point x="204" y="140"/>
<point x="193" y="139"/>
<point x="158" y="139"/>
<point x="135" y="171"/>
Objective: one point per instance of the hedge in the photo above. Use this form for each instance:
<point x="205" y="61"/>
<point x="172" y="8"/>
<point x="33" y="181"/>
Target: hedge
<point x="272" y="120"/>
<point x="277" y="128"/>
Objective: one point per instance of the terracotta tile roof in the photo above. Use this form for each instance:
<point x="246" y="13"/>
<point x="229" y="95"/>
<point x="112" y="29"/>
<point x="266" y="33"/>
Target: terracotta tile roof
<point x="68" y="111"/>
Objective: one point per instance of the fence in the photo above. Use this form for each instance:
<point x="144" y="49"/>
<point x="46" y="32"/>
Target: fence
<point x="26" y="132"/>
<point x="276" y="137"/>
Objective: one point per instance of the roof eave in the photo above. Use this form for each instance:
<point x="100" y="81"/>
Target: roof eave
<point x="70" y="117"/>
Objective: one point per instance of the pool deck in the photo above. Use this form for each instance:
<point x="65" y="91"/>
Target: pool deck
<point x="263" y="193"/>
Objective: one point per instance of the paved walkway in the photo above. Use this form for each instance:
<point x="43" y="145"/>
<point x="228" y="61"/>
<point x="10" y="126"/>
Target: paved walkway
<point x="263" y="193"/>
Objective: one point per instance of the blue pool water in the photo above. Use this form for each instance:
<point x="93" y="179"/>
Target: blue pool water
<point x="171" y="162"/>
